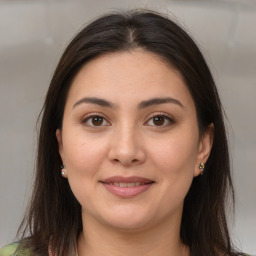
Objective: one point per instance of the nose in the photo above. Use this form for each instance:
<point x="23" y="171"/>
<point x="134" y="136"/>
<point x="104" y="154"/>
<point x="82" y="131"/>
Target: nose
<point x="127" y="147"/>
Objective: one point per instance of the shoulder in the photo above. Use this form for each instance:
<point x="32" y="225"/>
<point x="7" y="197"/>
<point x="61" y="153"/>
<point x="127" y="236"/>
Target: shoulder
<point x="14" y="249"/>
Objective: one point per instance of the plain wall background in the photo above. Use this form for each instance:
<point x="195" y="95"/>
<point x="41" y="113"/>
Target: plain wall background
<point x="33" y="34"/>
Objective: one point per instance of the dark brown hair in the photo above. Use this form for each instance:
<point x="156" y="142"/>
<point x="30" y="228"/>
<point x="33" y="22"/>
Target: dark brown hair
<point x="54" y="215"/>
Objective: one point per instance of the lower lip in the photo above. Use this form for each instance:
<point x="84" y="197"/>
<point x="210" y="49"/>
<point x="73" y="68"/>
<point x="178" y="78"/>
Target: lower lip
<point x="127" y="192"/>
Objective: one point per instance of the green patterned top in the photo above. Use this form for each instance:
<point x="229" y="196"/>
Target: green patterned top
<point x="13" y="250"/>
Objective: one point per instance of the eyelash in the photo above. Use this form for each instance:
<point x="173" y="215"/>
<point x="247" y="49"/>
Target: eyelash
<point x="87" y="118"/>
<point x="167" y="118"/>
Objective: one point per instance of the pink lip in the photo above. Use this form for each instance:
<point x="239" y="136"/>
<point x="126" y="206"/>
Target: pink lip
<point x="127" y="192"/>
<point x="126" y="179"/>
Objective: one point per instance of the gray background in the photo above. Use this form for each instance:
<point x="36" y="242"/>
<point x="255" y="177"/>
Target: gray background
<point x="33" y="34"/>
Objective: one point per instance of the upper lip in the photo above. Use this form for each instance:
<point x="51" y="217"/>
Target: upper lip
<point x="121" y="179"/>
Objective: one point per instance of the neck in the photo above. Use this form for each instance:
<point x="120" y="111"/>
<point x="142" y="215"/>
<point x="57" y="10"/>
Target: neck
<point x="154" y="241"/>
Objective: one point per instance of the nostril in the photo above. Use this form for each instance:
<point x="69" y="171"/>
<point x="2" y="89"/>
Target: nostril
<point x="126" y="162"/>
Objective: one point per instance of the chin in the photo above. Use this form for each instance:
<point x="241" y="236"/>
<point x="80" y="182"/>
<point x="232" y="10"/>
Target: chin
<point x="128" y="220"/>
<point x="128" y="225"/>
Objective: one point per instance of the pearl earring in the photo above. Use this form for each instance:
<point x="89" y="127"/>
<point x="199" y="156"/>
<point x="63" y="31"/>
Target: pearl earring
<point x="63" y="173"/>
<point x="201" y="167"/>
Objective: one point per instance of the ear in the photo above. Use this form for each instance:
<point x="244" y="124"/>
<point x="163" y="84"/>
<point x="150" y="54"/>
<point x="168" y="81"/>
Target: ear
<point x="204" y="148"/>
<point x="59" y="139"/>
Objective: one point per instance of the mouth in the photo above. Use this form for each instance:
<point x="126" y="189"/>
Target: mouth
<point x="127" y="187"/>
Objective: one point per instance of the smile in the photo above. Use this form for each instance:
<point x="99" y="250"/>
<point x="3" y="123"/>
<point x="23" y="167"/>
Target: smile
<point x="127" y="187"/>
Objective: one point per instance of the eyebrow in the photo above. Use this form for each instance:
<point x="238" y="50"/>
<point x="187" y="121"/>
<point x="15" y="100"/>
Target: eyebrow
<point x="95" y="100"/>
<point x="158" y="101"/>
<point x="142" y="105"/>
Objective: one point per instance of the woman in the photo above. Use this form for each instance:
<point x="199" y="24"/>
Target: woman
<point x="132" y="154"/>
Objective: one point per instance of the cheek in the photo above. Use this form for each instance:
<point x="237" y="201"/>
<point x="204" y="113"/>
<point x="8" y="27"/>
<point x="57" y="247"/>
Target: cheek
<point x="174" y="160"/>
<point x="84" y="159"/>
<point x="175" y="154"/>
<point x="84" y="155"/>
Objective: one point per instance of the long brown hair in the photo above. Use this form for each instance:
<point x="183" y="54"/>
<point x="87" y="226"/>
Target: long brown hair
<point x="54" y="215"/>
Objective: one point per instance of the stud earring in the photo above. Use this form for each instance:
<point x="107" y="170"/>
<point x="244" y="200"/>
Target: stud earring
<point x="201" y="167"/>
<point x="63" y="173"/>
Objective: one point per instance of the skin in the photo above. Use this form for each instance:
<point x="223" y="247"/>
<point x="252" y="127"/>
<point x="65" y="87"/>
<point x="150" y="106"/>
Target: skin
<point x="129" y="142"/>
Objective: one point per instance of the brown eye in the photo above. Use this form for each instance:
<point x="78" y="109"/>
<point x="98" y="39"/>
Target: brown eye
<point x="158" y="120"/>
<point x="95" y="121"/>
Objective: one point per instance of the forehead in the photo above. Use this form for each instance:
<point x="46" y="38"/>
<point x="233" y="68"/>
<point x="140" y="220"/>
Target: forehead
<point x="128" y="75"/>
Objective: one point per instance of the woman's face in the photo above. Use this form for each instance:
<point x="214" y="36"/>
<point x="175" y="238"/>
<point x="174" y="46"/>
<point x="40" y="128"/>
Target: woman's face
<point x="130" y="140"/>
